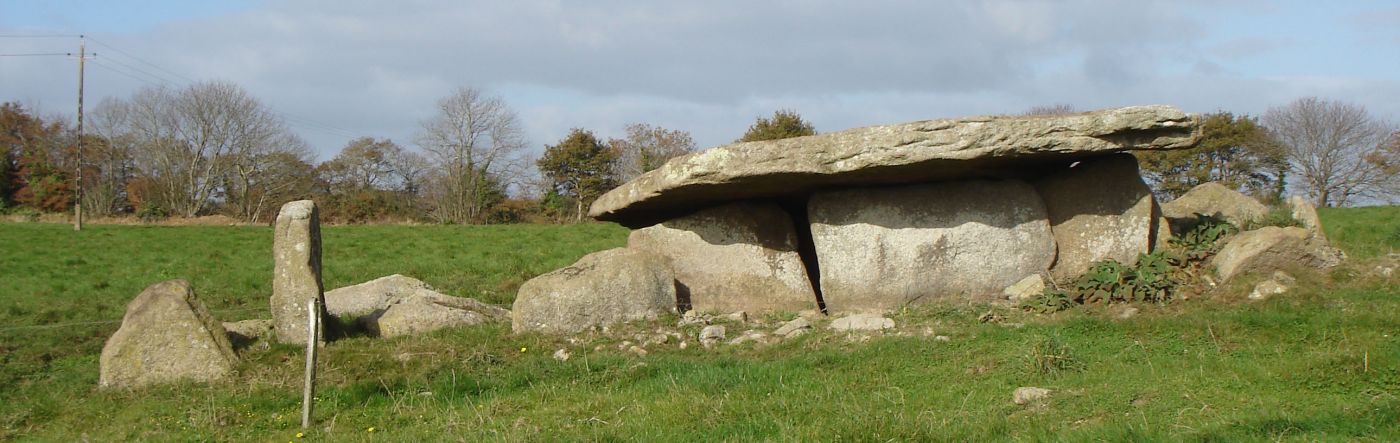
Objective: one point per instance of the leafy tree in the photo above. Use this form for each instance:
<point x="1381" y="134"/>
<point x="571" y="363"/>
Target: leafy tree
<point x="647" y="147"/>
<point x="1337" y="150"/>
<point x="38" y="156"/>
<point x="785" y="123"/>
<point x="580" y="168"/>
<point x="1234" y="151"/>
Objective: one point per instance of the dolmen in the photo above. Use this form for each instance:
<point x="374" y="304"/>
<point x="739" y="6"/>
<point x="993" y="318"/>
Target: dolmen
<point x="869" y="219"/>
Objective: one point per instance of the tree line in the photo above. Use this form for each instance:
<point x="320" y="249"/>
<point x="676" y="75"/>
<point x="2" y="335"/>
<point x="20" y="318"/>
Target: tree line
<point x="211" y="148"/>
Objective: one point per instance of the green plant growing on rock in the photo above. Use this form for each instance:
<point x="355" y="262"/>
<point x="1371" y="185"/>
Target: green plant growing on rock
<point x="1280" y="215"/>
<point x="1202" y="238"/>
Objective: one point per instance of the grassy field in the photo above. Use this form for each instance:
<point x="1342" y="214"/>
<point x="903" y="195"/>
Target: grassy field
<point x="1320" y="363"/>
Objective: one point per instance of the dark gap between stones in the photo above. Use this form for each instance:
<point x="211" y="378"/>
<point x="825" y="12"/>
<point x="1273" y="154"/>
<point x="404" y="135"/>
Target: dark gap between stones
<point x="796" y="207"/>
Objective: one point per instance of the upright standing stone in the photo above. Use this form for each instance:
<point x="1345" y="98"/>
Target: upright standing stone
<point x="735" y="257"/>
<point x="882" y="248"/>
<point x="1099" y="210"/>
<point x="296" y="272"/>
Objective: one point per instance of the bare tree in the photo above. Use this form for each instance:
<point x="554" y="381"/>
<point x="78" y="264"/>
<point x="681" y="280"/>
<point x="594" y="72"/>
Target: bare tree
<point x="646" y="147"/>
<point x="1336" y="149"/>
<point x="109" y="160"/>
<point x="470" y="142"/>
<point x="263" y="175"/>
<point x="191" y="138"/>
<point x="409" y="168"/>
<point x="1049" y="110"/>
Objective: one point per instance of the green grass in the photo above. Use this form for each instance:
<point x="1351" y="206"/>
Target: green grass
<point x="1363" y="232"/>
<point x="1322" y="363"/>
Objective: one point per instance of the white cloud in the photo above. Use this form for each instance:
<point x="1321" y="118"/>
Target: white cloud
<point x="376" y="68"/>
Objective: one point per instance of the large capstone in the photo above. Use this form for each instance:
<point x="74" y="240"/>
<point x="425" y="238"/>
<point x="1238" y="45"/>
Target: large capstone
<point x="882" y="248"/>
<point x="925" y="151"/>
<point x="735" y="257"/>
<point x="296" y="270"/>
<point x="1099" y="209"/>
<point x="166" y="336"/>
<point x="602" y="288"/>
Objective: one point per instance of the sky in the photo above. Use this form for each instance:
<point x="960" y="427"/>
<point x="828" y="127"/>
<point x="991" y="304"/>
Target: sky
<point x="342" y="69"/>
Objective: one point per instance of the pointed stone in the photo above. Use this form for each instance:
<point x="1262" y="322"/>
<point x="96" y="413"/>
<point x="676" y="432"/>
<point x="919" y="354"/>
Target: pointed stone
<point x="166" y="336"/>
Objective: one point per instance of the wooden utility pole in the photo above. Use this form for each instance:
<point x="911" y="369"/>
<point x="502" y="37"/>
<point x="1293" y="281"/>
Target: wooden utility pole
<point x="78" y="190"/>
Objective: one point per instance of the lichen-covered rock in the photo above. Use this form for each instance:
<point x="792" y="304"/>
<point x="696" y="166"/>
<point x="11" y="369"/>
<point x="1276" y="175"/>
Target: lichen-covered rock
<point x="1272" y="248"/>
<point x="735" y="257"/>
<point x="1214" y="199"/>
<point x="167" y="335"/>
<point x="1099" y="210"/>
<point x="247" y="332"/>
<point x="296" y="270"/>
<point x="918" y="152"/>
<point x="419" y="314"/>
<point x="1306" y="215"/>
<point x="862" y="322"/>
<point x="880" y="248"/>
<point x="373" y="295"/>
<point x="602" y="288"/>
<point x="1026" y="288"/>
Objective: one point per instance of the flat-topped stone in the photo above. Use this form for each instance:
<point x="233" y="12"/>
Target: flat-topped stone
<point x="932" y="150"/>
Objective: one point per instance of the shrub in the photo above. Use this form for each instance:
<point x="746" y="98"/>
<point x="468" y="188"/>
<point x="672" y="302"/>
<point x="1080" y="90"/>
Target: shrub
<point x="1049" y="301"/>
<point x="1047" y="356"/>
<point x="151" y="212"/>
<point x="1110" y="281"/>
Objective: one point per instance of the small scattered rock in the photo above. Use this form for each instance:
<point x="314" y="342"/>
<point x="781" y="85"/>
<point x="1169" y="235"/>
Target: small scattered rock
<point x="247" y="333"/>
<point x="1026" y="395"/>
<point x="792" y="328"/>
<point x="684" y="344"/>
<point x="990" y="317"/>
<point x="942" y="338"/>
<point x="862" y="322"/>
<point x="624" y="345"/>
<point x="693" y="317"/>
<point x="711" y="334"/>
<point x="562" y="354"/>
<point x="750" y="336"/>
<point x="637" y="350"/>
<point x="1268" y="288"/>
<point x="1028" y="287"/>
<point x="658" y="339"/>
<point x="1385" y="271"/>
<point x="741" y="317"/>
<point x="1126" y="312"/>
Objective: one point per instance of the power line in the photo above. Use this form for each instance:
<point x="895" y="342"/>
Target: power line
<point x="139" y="59"/>
<point x="40" y="36"/>
<point x="103" y="65"/>
<point x="39" y="54"/>
<point x="162" y="79"/>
